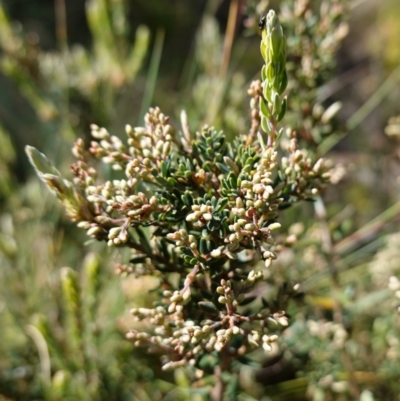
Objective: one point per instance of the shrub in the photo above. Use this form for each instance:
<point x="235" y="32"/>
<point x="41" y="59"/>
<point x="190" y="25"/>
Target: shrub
<point x="199" y="215"/>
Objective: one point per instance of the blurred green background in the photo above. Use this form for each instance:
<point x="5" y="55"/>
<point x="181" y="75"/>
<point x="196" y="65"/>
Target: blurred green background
<point x="65" y="64"/>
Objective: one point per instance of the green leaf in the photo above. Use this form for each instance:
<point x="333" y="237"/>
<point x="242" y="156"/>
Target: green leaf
<point x="283" y="109"/>
<point x="40" y="162"/>
<point x="221" y="204"/>
<point x="144" y="241"/>
<point x="138" y="259"/>
<point x="207" y="306"/>
<point x="208" y="361"/>
<point x="264" y="124"/>
<point x="203" y="248"/>
<point x="263" y="73"/>
<point x="164" y="169"/>
<point x="283" y="83"/>
<point x="248" y="300"/>
<point x="264" y="108"/>
<point x="265" y="303"/>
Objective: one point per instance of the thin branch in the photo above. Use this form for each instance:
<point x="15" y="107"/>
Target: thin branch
<point x="229" y="35"/>
<point x="190" y="278"/>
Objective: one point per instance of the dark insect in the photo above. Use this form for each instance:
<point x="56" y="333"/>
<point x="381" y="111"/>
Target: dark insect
<point x="261" y="23"/>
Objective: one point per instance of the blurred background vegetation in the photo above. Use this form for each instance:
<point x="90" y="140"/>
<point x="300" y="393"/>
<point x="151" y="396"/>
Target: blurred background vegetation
<point x="63" y="309"/>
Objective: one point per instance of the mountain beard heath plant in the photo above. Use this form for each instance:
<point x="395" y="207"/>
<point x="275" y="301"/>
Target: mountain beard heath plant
<point x="198" y="214"/>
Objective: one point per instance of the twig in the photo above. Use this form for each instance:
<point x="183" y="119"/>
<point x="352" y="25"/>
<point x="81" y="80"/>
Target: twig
<point x="190" y="278"/>
<point x="229" y="34"/>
